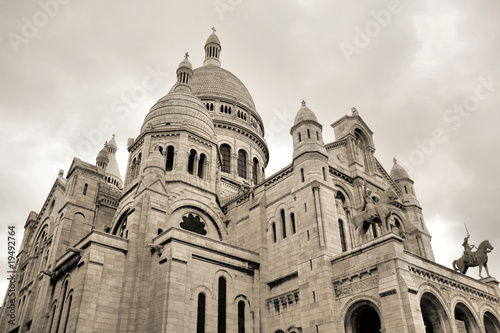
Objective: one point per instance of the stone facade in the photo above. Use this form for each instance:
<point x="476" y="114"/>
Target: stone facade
<point x="196" y="239"/>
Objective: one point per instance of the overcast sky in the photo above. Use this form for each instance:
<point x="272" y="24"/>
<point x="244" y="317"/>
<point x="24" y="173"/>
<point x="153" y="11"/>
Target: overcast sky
<point x="424" y="76"/>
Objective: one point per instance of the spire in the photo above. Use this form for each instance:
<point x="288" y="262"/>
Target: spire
<point x="212" y="50"/>
<point x="111" y="169"/>
<point x="184" y="74"/>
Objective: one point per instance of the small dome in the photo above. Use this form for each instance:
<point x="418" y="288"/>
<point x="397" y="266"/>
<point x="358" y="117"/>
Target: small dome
<point x="305" y="114"/>
<point x="398" y="172"/>
<point x="213" y="38"/>
<point x="186" y="63"/>
<point x="180" y="109"/>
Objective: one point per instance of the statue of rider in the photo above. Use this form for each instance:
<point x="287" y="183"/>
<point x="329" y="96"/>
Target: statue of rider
<point x="468" y="254"/>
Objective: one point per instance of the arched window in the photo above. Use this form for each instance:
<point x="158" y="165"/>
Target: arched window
<point x="242" y="163"/>
<point x="283" y="222"/>
<point x="70" y="299"/>
<point x="225" y="152"/>
<point x="121" y="226"/>
<point x="200" y="321"/>
<point x="255" y="170"/>
<point x="170" y="158"/>
<point x="300" y="137"/>
<point x="63" y="297"/>
<point x="192" y="158"/>
<point x="241" y="317"/>
<point x="302" y="175"/>
<point x="221" y="319"/>
<point x="201" y="164"/>
<point x="53" y="314"/>
<point x="342" y="236"/>
<point x="273" y="226"/>
<point x="308" y="134"/>
<point x="292" y="219"/>
<point x="85" y="187"/>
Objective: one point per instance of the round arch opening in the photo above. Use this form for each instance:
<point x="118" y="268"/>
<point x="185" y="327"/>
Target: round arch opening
<point x="433" y="315"/>
<point x="464" y="319"/>
<point x="491" y="323"/>
<point x="363" y="317"/>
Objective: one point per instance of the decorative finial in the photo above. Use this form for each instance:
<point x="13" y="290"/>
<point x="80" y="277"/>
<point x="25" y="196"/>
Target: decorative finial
<point x="213" y="29"/>
<point x="61" y="173"/>
<point x="186" y="55"/>
<point x="394" y="160"/>
<point x="303" y="103"/>
<point x="354" y="111"/>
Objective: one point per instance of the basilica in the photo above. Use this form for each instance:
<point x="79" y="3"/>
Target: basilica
<point x="197" y="238"/>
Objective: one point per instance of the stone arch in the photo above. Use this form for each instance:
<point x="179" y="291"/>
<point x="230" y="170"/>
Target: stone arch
<point x="490" y="322"/>
<point x="363" y="316"/>
<point x="241" y="297"/>
<point x="201" y="289"/>
<point x="464" y="318"/>
<point x="434" y="315"/>
<point x="203" y="209"/>
<point x="126" y="208"/>
<point x="121" y="227"/>
<point x="294" y="329"/>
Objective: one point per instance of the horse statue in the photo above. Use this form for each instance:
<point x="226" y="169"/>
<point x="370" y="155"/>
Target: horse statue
<point x="478" y="258"/>
<point x="379" y="212"/>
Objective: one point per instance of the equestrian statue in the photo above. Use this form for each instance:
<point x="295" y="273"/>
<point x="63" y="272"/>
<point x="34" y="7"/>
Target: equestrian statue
<point x="473" y="259"/>
<point x="376" y="212"/>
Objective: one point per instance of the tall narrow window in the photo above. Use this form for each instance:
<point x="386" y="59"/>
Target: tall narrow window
<point x="200" y="323"/>
<point x="242" y="163"/>
<point x="317" y="135"/>
<point x="300" y="137"/>
<point x="225" y="152"/>
<point x="255" y="170"/>
<point x="308" y="134"/>
<point x="221" y="320"/>
<point x="201" y="164"/>
<point x="324" y="174"/>
<point x="192" y="158"/>
<point x="302" y="175"/>
<point x="65" y="289"/>
<point x="70" y="299"/>
<point x="342" y="236"/>
<point x="170" y="158"/>
<point x="283" y="222"/>
<point x="273" y="225"/>
<point x="85" y="187"/>
<point x="292" y="219"/>
<point x="241" y="317"/>
<point x="54" y="308"/>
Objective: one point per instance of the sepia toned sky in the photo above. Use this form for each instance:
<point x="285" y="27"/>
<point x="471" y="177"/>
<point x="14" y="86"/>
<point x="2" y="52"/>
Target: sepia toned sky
<point x="424" y="76"/>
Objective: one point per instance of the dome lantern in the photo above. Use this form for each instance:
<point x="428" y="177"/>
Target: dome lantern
<point x="184" y="74"/>
<point x="212" y="50"/>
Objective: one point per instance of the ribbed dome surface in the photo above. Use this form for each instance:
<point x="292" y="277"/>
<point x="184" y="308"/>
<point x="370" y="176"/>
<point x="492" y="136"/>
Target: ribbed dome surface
<point x="103" y="154"/>
<point x="180" y="108"/>
<point x="218" y="82"/>
<point x="398" y="172"/>
<point x="305" y="114"/>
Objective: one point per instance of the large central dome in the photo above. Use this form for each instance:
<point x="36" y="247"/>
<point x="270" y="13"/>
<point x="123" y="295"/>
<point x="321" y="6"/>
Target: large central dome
<point x="215" y="80"/>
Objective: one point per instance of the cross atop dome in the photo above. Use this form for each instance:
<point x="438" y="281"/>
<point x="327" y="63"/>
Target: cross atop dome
<point x="186" y="55"/>
<point x="303" y="103"/>
<point x="213" y="29"/>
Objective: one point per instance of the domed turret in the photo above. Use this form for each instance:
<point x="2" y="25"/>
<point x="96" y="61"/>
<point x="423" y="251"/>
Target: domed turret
<point x="405" y="183"/>
<point x="184" y="75"/>
<point x="398" y="172"/>
<point x="304" y="114"/>
<point x="307" y="133"/>
<point x="212" y="50"/>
